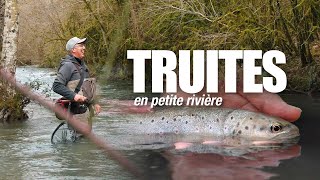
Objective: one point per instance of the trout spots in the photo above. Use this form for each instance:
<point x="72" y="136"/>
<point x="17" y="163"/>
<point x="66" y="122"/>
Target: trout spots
<point x="254" y="126"/>
<point x="174" y="119"/>
<point x="176" y="131"/>
<point x="152" y="120"/>
<point x="246" y="127"/>
<point x="262" y="128"/>
<point x="217" y="119"/>
<point x="202" y="118"/>
<point x="210" y="127"/>
<point x="186" y="122"/>
<point x="250" y="118"/>
<point x="231" y="117"/>
<point x="140" y="122"/>
<point x="192" y="114"/>
<point x="167" y="122"/>
<point x="162" y="118"/>
<point x="238" y="124"/>
<point x="236" y="132"/>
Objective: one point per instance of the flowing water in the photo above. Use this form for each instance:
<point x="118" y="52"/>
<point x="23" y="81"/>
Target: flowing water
<point x="26" y="151"/>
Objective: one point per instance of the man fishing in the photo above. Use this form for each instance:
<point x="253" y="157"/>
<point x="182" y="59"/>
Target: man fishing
<point x="71" y="81"/>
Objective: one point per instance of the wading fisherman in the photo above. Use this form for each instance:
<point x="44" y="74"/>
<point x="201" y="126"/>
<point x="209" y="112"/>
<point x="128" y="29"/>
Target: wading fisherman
<point x="73" y="82"/>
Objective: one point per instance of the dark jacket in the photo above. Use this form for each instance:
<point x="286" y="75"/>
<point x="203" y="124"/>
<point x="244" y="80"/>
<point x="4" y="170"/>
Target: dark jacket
<point x="68" y="72"/>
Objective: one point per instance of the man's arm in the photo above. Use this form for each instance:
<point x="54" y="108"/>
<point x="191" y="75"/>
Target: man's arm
<point x="59" y="84"/>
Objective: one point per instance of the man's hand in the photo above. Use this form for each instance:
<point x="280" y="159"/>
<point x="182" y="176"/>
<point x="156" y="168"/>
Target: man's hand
<point x="97" y="108"/>
<point x="265" y="102"/>
<point x="79" y="98"/>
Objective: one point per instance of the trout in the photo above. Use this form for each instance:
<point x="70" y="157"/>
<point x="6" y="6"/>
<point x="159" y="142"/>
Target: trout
<point x="190" y="124"/>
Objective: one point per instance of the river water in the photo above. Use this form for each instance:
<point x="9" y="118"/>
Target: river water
<point x="27" y="153"/>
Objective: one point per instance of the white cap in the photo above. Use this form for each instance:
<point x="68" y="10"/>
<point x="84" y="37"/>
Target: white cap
<point x="73" y="41"/>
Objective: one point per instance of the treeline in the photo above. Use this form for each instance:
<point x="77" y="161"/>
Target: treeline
<point x="113" y="26"/>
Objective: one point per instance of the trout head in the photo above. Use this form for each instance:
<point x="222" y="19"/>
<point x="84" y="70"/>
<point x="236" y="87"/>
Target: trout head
<point x="260" y="127"/>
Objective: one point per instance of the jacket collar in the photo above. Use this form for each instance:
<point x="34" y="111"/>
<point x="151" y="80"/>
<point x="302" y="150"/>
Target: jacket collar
<point x="74" y="59"/>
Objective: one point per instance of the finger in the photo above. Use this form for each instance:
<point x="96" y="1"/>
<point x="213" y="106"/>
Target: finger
<point x="272" y="104"/>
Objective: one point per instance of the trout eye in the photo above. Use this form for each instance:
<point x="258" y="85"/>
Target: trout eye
<point x="276" y="128"/>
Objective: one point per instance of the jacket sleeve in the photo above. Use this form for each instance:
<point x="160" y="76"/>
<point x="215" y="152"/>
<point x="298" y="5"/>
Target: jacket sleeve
<point x="60" y="83"/>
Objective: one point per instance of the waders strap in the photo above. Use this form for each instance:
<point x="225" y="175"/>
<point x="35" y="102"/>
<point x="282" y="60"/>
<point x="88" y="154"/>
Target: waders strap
<point x="81" y="78"/>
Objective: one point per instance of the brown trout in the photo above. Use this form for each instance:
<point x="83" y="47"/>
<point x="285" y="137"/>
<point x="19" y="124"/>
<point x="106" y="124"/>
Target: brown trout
<point x="202" y="124"/>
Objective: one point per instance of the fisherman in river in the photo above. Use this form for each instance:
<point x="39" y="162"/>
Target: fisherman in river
<point x="73" y="82"/>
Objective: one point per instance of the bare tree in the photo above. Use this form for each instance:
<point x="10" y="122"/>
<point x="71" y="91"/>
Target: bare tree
<point x="10" y="36"/>
<point x="12" y="104"/>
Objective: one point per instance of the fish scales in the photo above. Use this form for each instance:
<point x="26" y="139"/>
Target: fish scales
<point x="214" y="122"/>
<point x="180" y="121"/>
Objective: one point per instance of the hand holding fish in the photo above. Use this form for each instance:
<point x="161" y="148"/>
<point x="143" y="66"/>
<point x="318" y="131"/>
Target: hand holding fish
<point x="79" y="98"/>
<point x="265" y="102"/>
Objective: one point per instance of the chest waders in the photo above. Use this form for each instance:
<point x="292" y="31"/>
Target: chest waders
<point x="64" y="133"/>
